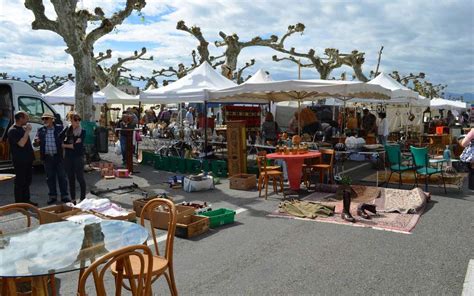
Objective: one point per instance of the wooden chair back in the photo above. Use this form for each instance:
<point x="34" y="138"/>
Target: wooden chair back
<point x="327" y="156"/>
<point x="262" y="163"/>
<point x="24" y="208"/>
<point x="140" y="284"/>
<point x="147" y="211"/>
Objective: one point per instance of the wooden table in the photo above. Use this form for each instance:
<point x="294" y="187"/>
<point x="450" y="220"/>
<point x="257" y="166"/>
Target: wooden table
<point x="294" y="163"/>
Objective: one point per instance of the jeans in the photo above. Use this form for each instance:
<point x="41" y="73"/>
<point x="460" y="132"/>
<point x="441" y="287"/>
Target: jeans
<point x="382" y="140"/>
<point x="23" y="172"/>
<point x="123" y="147"/>
<point x="75" y="170"/>
<point x="54" y="167"/>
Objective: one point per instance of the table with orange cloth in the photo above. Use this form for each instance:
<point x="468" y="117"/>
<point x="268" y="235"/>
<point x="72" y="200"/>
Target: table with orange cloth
<point x="294" y="163"/>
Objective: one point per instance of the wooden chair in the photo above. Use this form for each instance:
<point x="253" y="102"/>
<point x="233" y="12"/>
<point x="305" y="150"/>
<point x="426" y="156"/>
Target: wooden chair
<point x="160" y="264"/>
<point x="269" y="167"/>
<point x="325" y="165"/>
<point x="265" y="174"/>
<point x="134" y="263"/>
<point x="37" y="283"/>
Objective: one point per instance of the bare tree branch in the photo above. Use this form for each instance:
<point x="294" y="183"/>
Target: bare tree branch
<point x="41" y="22"/>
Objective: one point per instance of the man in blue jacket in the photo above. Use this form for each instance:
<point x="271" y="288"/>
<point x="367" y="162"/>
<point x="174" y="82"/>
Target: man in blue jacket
<point x="52" y="156"/>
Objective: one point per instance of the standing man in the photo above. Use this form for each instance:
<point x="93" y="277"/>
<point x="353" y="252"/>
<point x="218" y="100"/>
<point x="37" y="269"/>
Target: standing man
<point x="125" y="124"/>
<point x="52" y="155"/>
<point x="382" y="131"/>
<point x="190" y="116"/>
<point x="22" y="155"/>
<point x="368" y="122"/>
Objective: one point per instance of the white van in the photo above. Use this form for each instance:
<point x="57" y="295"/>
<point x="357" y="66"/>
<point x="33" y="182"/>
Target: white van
<point x="20" y="96"/>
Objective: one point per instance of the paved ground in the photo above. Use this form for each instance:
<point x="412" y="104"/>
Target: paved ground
<point x="259" y="255"/>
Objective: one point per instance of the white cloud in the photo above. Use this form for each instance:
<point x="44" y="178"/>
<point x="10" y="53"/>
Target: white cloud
<point x="419" y="36"/>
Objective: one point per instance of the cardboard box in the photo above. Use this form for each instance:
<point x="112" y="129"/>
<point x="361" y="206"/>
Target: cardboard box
<point x="160" y="219"/>
<point x="243" y="182"/>
<point x="190" y="226"/>
<point x="56" y="213"/>
<point x="138" y="204"/>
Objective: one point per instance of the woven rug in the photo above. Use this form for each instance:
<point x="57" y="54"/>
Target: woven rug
<point x="395" y="222"/>
<point x="452" y="181"/>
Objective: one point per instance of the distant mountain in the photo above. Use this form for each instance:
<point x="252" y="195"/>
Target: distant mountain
<point x="468" y="97"/>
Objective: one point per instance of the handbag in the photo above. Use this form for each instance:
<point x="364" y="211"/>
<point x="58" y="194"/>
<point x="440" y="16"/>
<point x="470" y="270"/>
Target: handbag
<point x="467" y="154"/>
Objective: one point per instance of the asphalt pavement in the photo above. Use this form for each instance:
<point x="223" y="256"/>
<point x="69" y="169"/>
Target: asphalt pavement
<point x="260" y="255"/>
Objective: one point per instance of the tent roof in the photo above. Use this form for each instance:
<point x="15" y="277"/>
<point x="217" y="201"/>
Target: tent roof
<point x="190" y="88"/>
<point x="259" y="76"/>
<point x="400" y="93"/>
<point x="440" y="103"/>
<point x="116" y="96"/>
<point x="66" y="94"/>
<point x="291" y="90"/>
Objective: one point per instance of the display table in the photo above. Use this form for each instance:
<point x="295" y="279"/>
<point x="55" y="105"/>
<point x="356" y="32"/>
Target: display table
<point x="62" y="247"/>
<point x="294" y="163"/>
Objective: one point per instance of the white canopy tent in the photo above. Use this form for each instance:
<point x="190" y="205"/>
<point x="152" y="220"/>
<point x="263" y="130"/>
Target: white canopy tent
<point x="65" y="94"/>
<point x="116" y="96"/>
<point x="192" y="88"/>
<point x="440" y="103"/>
<point x="259" y="77"/>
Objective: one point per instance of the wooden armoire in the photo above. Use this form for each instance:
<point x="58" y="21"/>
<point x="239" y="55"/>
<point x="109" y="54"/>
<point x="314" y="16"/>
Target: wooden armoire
<point x="236" y="147"/>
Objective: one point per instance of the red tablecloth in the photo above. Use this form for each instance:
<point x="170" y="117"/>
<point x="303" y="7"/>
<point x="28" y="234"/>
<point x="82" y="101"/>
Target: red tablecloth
<point x="294" y="164"/>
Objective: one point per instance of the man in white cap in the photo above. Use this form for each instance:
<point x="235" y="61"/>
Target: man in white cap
<point x="52" y="156"/>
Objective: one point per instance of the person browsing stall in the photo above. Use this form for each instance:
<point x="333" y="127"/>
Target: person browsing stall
<point x="73" y="144"/>
<point x="270" y="129"/>
<point x="125" y="124"/>
<point x="382" y="129"/>
<point x="368" y="122"/>
<point x="22" y="157"/>
<point x="47" y="138"/>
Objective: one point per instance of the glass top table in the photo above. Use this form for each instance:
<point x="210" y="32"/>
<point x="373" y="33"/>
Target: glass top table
<point x="64" y="246"/>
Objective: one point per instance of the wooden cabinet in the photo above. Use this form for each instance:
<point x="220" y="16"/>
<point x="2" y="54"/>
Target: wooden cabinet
<point x="236" y="148"/>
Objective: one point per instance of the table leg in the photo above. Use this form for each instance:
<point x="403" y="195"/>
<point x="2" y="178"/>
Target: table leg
<point x="294" y="167"/>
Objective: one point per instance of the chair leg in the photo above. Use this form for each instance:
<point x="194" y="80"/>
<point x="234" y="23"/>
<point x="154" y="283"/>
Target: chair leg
<point x="274" y="184"/>
<point x="388" y="181"/>
<point x="281" y="183"/>
<point x="173" y="289"/>
<point x="444" y="183"/>
<point x="321" y="176"/>
<point x="427" y="177"/>
<point x="266" y="186"/>
<point x="52" y="283"/>
<point x="260" y="186"/>
<point x="399" y="180"/>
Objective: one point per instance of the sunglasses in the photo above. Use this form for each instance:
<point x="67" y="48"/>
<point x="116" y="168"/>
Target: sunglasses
<point x="76" y="119"/>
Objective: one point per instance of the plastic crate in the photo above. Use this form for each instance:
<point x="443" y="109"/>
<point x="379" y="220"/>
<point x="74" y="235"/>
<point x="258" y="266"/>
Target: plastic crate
<point x="219" y="168"/>
<point x="206" y="165"/>
<point x="177" y="164"/>
<point x="148" y="157"/>
<point x="193" y="166"/>
<point x="220" y="217"/>
<point x="161" y="163"/>
<point x="252" y="170"/>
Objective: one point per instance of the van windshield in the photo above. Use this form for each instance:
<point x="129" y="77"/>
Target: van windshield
<point x="5" y="109"/>
<point x="35" y="108"/>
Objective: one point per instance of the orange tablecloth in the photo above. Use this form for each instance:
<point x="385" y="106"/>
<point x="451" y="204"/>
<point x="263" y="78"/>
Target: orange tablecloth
<point x="294" y="163"/>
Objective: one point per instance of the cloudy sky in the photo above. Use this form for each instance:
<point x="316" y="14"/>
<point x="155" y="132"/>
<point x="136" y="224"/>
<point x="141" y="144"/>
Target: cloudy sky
<point x="435" y="37"/>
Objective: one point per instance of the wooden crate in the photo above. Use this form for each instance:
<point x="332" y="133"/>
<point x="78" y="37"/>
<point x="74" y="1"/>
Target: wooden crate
<point x="243" y="182"/>
<point x="191" y="226"/>
<point x="160" y="218"/>
<point x="56" y="213"/>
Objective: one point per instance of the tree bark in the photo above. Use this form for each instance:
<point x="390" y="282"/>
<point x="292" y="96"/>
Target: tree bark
<point x="84" y="85"/>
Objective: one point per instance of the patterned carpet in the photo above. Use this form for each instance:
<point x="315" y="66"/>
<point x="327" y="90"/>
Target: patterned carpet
<point x="389" y="221"/>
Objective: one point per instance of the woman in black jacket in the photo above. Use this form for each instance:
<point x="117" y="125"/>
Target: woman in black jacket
<point x="73" y="144"/>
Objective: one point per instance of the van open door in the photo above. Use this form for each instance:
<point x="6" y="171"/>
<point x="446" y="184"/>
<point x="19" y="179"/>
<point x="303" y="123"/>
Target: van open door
<point x="6" y="120"/>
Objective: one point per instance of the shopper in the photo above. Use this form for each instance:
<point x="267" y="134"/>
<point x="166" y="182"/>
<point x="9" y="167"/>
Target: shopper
<point x="73" y="144"/>
<point x="270" y="129"/>
<point x="368" y="122"/>
<point x="294" y="124"/>
<point x="382" y="131"/>
<point x="309" y="122"/>
<point x="22" y="156"/>
<point x="190" y="116"/>
<point x="52" y="156"/>
<point x="125" y="124"/>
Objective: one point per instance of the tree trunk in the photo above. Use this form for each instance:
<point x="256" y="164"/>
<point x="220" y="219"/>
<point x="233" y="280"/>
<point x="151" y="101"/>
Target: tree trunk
<point x="84" y="85"/>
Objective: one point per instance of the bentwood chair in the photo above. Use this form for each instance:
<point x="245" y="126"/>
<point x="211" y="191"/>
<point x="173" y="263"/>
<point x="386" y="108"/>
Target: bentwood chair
<point x="422" y="168"/>
<point x="265" y="175"/>
<point x="161" y="264"/>
<point x="326" y="165"/>
<point x="133" y="263"/>
<point x="269" y="167"/>
<point x="28" y="211"/>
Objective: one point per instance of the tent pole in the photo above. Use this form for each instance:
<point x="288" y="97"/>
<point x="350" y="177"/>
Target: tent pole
<point x="205" y="129"/>
<point x="299" y="118"/>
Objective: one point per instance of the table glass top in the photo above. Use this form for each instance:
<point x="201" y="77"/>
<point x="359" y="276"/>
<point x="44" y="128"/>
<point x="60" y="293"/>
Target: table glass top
<point x="64" y="246"/>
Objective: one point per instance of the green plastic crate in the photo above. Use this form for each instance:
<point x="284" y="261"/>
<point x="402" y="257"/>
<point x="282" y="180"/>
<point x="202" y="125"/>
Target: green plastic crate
<point x="161" y="163"/>
<point x="206" y="165"/>
<point x="148" y="157"/>
<point x="252" y="170"/>
<point x="220" y="217"/>
<point x="219" y="168"/>
<point x="193" y="166"/>
<point x="177" y="164"/>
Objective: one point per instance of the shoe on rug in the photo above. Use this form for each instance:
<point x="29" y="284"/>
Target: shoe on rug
<point x="52" y="200"/>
